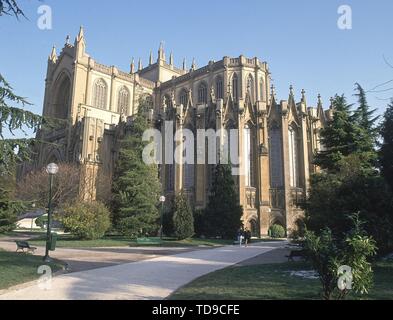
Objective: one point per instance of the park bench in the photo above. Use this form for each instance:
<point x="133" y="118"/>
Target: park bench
<point x="149" y="241"/>
<point x="297" y="253"/>
<point x="24" y="245"/>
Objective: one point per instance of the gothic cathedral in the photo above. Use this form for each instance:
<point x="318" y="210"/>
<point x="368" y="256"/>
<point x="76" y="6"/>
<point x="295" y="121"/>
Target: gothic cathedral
<point x="278" y="138"/>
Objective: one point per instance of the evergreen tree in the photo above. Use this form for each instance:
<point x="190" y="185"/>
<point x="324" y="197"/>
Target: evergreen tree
<point x="366" y="131"/>
<point x="183" y="220"/>
<point x="9" y="209"/>
<point x="337" y="137"/>
<point x="386" y="152"/>
<point x="13" y="116"/>
<point x="223" y="213"/>
<point x="136" y="187"/>
<point x="347" y="134"/>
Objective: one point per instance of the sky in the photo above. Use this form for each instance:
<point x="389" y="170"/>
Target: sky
<point x="300" y="40"/>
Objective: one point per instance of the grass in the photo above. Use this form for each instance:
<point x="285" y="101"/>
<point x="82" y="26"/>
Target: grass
<point x="69" y="241"/>
<point x="17" y="268"/>
<point x="274" y="282"/>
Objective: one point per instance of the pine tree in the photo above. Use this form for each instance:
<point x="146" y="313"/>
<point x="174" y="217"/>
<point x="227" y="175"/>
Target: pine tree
<point x="136" y="187"/>
<point x="386" y="152"/>
<point x="223" y="213"/>
<point x="366" y="131"/>
<point x="337" y="137"/>
<point x="183" y="219"/>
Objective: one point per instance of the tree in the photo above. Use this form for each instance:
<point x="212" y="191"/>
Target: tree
<point x="333" y="196"/>
<point x="337" y="136"/>
<point x="183" y="220"/>
<point x="34" y="187"/>
<point x="328" y="253"/>
<point x="136" y="187"/>
<point x="16" y="118"/>
<point x="223" y="213"/>
<point x="386" y="151"/>
<point x="87" y="220"/>
<point x="9" y="208"/>
<point x="10" y="7"/>
<point x="348" y="133"/>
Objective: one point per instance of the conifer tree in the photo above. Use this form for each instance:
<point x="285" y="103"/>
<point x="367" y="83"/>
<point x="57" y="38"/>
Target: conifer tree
<point x="183" y="219"/>
<point x="386" y="151"/>
<point x="337" y="137"/>
<point x="136" y="187"/>
<point x="223" y="213"/>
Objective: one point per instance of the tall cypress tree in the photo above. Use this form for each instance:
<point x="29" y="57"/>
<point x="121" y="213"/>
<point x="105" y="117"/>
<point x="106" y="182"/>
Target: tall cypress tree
<point x="223" y="213"/>
<point x="136" y="187"/>
<point x="183" y="218"/>
<point x="386" y="152"/>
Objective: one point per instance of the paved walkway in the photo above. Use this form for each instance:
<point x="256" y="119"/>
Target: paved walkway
<point x="144" y="280"/>
<point x="93" y="258"/>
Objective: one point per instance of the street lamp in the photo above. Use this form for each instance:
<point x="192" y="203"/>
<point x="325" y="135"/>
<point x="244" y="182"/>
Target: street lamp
<point x="162" y="200"/>
<point x="51" y="170"/>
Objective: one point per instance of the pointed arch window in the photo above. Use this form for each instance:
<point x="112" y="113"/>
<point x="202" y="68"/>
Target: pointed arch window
<point x="100" y="94"/>
<point x="262" y="90"/>
<point x="123" y="100"/>
<point x="293" y="157"/>
<point x="219" y="88"/>
<point x="235" y="87"/>
<point x="202" y="93"/>
<point x="276" y="159"/>
<point x="247" y="156"/>
<point x="250" y="86"/>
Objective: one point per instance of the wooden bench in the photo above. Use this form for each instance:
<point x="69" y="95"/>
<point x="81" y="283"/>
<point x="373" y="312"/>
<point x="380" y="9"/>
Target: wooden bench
<point x="24" y="245"/>
<point x="149" y="241"/>
<point x="297" y="253"/>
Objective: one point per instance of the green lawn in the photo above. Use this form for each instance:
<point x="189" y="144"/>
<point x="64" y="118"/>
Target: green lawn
<point x="69" y="241"/>
<point x="273" y="282"/>
<point x="17" y="268"/>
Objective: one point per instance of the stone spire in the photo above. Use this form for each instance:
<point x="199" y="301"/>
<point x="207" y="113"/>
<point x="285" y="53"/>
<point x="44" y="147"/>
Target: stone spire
<point x="184" y="64"/>
<point x="304" y="96"/>
<point x="81" y="34"/>
<point x="171" y="60"/>
<point x="53" y="55"/>
<point x="193" y="66"/>
<point x="140" y="66"/>
<point x="67" y="40"/>
<point x="319" y="100"/>
<point x="151" y="58"/>
<point x="273" y="92"/>
<point x="161" y="52"/>
<point x="291" y="93"/>
<point x="132" y="66"/>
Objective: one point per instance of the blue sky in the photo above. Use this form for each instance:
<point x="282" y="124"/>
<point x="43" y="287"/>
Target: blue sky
<point x="299" y="39"/>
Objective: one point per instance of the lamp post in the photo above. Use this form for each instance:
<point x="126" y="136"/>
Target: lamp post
<point x="162" y="200"/>
<point x="52" y="170"/>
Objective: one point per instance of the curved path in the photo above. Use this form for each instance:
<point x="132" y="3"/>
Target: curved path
<point x="152" y="279"/>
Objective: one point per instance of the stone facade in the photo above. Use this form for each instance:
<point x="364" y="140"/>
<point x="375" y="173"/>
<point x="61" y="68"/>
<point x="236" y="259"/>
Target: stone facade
<point x="278" y="138"/>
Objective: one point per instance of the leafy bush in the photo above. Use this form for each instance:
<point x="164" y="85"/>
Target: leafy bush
<point x="328" y="254"/>
<point x="183" y="219"/>
<point x="276" y="231"/>
<point x="199" y="222"/>
<point x="88" y="221"/>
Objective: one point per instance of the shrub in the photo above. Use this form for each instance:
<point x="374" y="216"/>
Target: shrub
<point x="199" y="222"/>
<point x="328" y="254"/>
<point x="183" y="220"/>
<point x="88" y="221"/>
<point x="276" y="231"/>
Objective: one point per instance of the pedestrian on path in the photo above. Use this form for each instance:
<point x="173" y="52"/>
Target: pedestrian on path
<point x="247" y="237"/>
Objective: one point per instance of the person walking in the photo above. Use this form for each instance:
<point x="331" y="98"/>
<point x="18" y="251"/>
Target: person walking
<point x="240" y="236"/>
<point x="247" y="237"/>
